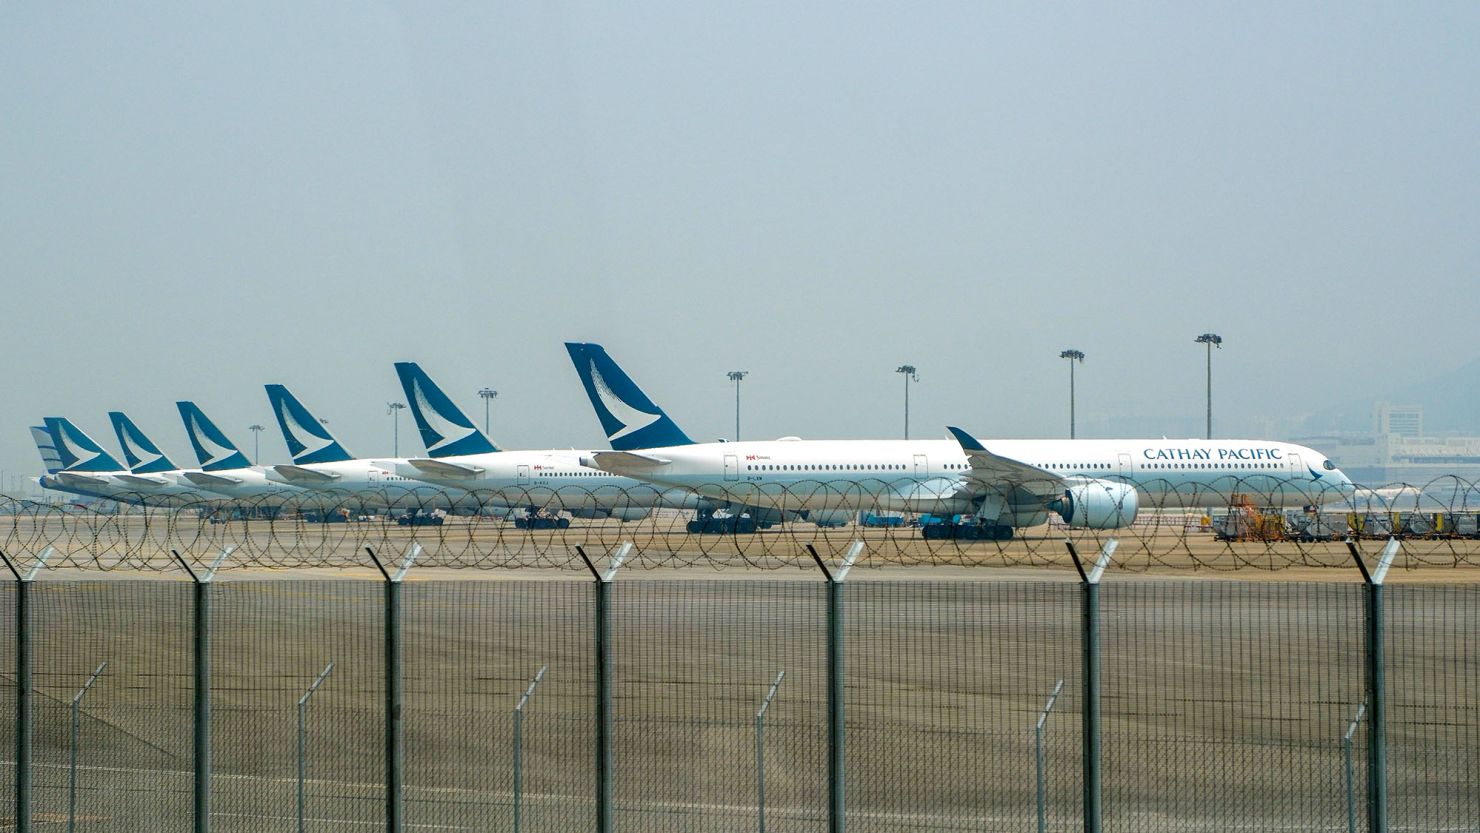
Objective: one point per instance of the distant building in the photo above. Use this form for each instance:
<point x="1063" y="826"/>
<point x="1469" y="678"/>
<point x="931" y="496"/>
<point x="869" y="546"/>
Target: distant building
<point x="1402" y="420"/>
<point x="1394" y="458"/>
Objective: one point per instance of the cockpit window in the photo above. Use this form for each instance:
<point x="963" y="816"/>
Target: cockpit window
<point x="1328" y="466"/>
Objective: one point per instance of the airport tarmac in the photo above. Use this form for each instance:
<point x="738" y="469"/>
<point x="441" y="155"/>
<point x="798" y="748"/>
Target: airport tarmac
<point x="132" y="543"/>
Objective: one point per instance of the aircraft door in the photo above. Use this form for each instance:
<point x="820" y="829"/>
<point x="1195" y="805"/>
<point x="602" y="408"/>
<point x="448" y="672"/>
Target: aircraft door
<point x="1124" y="465"/>
<point x="521" y="475"/>
<point x="1295" y="467"/>
<point x="732" y="467"/>
<point x="922" y="467"/>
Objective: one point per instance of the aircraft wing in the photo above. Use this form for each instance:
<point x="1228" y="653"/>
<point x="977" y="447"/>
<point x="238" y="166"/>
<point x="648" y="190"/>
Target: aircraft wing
<point x="207" y="479"/>
<point x="444" y="468"/>
<point x="623" y="462"/>
<point x="307" y="476"/>
<point x="141" y="480"/>
<point x="79" y="479"/>
<point x="995" y="473"/>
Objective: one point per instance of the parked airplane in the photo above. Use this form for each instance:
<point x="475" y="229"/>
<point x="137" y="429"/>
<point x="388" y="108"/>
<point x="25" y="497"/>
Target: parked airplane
<point x="630" y="419"/>
<point x="1096" y="484"/>
<point x="150" y="471"/>
<point x="633" y="422"/>
<point x="51" y="460"/>
<point x="460" y="455"/>
<point x="226" y="470"/>
<point x="90" y="470"/>
<point x="321" y="464"/>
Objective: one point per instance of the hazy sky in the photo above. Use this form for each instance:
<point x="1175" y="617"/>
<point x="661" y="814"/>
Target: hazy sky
<point x="196" y="201"/>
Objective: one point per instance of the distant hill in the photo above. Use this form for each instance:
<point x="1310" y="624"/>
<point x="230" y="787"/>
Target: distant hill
<point x="1451" y="405"/>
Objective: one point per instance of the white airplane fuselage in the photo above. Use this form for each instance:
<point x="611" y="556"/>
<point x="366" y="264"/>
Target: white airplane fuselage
<point x="546" y="479"/>
<point x="161" y="489"/>
<point x="371" y="484"/>
<point x="935" y="475"/>
<point x="249" y="484"/>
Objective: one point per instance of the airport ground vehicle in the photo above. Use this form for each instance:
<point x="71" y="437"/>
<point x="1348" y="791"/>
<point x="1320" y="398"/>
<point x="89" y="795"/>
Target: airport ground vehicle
<point x="420" y="518"/>
<point x="332" y="516"/>
<point x="873" y="520"/>
<point x="540" y="519"/>
<point x="720" y="522"/>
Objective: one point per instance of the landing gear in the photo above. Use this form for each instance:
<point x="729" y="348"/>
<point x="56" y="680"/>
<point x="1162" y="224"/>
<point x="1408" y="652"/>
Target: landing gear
<point x="536" y="519"/>
<point x="707" y="524"/>
<point x="968" y="531"/>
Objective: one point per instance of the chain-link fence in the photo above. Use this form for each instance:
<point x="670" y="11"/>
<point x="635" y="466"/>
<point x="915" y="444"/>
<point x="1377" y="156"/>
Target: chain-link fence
<point x="1260" y="521"/>
<point x="784" y="701"/>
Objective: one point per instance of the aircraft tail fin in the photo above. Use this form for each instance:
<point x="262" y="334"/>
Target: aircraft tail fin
<point x="140" y="452"/>
<point x="630" y="419"/>
<point x="48" y="448"/>
<point x="212" y="448"/>
<point x="445" y="429"/>
<point x="309" y="439"/>
<point x="78" y="451"/>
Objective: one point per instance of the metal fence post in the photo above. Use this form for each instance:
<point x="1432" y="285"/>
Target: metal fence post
<point x="603" y="683"/>
<point x="1351" y="786"/>
<point x="1038" y="753"/>
<point x="201" y="643"/>
<point x="72" y="747"/>
<point x="1090" y="648"/>
<point x="519" y="747"/>
<point x="23" y="718"/>
<point x="1376" y="684"/>
<point x="836" y="726"/>
<point x="760" y="751"/>
<point x="303" y="740"/>
<point x="394" y="797"/>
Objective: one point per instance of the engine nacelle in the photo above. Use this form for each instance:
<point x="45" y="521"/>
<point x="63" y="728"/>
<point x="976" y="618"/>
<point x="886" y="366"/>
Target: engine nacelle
<point x="830" y="517"/>
<point x="1098" y="504"/>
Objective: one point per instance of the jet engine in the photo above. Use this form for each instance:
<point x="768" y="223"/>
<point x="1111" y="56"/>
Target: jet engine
<point x="1097" y="504"/>
<point x="830" y="517"/>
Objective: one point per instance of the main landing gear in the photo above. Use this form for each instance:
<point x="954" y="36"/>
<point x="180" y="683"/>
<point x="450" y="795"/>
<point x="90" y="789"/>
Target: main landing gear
<point x="969" y="531"/>
<point x="538" y="519"/>
<point x="707" y="523"/>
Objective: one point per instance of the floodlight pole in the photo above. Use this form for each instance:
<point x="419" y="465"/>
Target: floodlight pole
<point x="1211" y="340"/>
<point x="487" y="394"/>
<point x="736" y="376"/>
<point x="256" y="429"/>
<point x="394" y="409"/>
<point x="1074" y="357"/>
<point x="908" y="371"/>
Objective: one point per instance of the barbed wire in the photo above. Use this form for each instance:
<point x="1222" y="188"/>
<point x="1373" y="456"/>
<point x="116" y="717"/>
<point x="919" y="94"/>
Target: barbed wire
<point x="1227" y="527"/>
